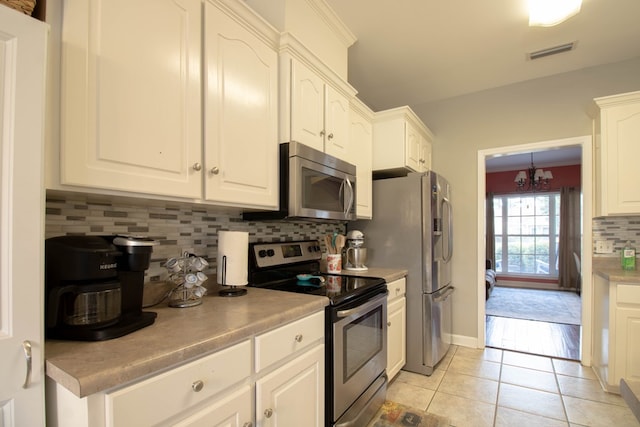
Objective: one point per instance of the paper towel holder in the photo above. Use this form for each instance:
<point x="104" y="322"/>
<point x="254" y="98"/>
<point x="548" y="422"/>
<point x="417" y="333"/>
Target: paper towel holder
<point x="230" y="291"/>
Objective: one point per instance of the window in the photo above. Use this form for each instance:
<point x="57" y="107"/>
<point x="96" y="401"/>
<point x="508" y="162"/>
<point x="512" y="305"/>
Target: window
<point x="527" y="230"/>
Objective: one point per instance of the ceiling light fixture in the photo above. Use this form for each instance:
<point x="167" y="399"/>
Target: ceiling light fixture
<point x="533" y="179"/>
<point x="547" y="13"/>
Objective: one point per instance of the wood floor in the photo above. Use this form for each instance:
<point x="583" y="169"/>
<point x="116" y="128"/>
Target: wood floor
<point x="529" y="336"/>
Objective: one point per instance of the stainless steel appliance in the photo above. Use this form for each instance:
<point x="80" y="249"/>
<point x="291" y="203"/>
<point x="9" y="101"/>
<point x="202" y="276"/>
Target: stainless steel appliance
<point x="354" y="254"/>
<point x="355" y="325"/>
<point x="313" y="185"/>
<point x="94" y="286"/>
<point x="412" y="228"/>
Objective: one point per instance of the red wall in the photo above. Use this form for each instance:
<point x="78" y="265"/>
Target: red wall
<point x="563" y="176"/>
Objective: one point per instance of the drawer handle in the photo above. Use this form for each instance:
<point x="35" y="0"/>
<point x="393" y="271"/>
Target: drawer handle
<point x="299" y="338"/>
<point x="268" y="412"/>
<point x="26" y="347"/>
<point x="197" y="385"/>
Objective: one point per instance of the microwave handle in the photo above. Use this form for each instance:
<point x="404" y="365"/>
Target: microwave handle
<point x="349" y="204"/>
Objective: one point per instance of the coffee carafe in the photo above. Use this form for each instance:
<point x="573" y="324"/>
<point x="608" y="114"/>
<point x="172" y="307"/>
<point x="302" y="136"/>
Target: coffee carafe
<point x="354" y="254"/>
<point x="94" y="287"/>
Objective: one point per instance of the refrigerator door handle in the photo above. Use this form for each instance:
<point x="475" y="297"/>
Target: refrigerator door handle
<point x="447" y="257"/>
<point x="445" y="295"/>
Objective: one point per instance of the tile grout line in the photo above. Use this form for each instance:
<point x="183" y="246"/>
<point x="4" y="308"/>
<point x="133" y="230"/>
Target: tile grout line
<point x="495" y="410"/>
<point x="555" y="377"/>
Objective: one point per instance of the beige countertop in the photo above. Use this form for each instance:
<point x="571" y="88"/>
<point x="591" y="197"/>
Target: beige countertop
<point x="388" y="274"/>
<point x="178" y="335"/>
<point x="610" y="269"/>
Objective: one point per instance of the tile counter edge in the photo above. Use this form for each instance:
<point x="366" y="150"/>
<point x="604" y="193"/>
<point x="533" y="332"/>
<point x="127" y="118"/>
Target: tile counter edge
<point x="178" y="336"/>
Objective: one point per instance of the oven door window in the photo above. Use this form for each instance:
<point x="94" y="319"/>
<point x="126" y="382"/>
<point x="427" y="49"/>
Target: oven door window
<point x="362" y="340"/>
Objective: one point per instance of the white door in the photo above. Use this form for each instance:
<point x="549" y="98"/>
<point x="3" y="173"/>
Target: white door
<point x="23" y="46"/>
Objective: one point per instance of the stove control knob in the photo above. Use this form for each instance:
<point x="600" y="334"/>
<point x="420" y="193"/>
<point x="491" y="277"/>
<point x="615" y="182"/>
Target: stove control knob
<point x="262" y="253"/>
<point x="271" y="252"/>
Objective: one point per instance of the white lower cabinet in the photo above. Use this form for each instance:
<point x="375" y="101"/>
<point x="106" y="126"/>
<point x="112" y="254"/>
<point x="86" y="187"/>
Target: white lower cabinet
<point x="396" y="327"/>
<point x="293" y="395"/>
<point x="216" y="390"/>
<point x="616" y="328"/>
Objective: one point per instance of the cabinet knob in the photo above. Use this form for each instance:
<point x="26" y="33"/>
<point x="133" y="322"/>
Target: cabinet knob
<point x="215" y="170"/>
<point x="268" y="412"/>
<point x="197" y="167"/>
<point x="322" y="132"/>
<point x="197" y="385"/>
<point x="330" y="136"/>
<point x="299" y="338"/>
<point x="248" y="424"/>
<point x="388" y="323"/>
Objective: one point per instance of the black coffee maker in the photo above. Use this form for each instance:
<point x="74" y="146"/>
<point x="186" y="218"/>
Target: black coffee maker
<point x="94" y="286"/>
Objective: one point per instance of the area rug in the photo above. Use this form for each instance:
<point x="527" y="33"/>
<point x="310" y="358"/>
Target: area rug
<point x="393" y="414"/>
<point x="535" y="304"/>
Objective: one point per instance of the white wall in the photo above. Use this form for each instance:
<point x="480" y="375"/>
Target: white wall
<point x="539" y="110"/>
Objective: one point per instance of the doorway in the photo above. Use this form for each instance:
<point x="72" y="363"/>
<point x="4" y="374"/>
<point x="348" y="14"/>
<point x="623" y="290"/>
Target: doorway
<point x="541" y="335"/>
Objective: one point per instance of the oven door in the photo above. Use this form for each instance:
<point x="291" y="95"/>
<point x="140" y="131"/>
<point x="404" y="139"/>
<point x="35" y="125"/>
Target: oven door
<point x="319" y="191"/>
<point x="359" y="349"/>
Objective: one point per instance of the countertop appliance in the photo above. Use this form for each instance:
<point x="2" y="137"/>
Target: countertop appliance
<point x="355" y="325"/>
<point x="354" y="254"/>
<point x="94" y="286"/>
<point x="412" y="228"/>
<point x="313" y="185"/>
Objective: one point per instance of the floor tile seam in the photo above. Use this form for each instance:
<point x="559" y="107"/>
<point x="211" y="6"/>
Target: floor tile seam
<point x="530" y="387"/>
<point x="495" y="408"/>
<point x="562" y="401"/>
<point x="621" y="405"/>
<point x="537" y="414"/>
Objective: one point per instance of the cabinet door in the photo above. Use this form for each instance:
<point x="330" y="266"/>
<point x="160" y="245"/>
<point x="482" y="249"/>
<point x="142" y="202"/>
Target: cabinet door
<point x="413" y="148"/>
<point x="131" y="107"/>
<point x="361" y="154"/>
<point x="425" y="155"/>
<point x="396" y="336"/>
<point x="231" y="411"/>
<point x="627" y="348"/>
<point x="293" y="395"/>
<point x="307" y="106"/>
<point x="336" y="124"/>
<point x="241" y="107"/>
<point x="620" y="135"/>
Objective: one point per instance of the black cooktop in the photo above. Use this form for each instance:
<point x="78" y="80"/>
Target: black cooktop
<point x="337" y="288"/>
<point x="277" y="265"/>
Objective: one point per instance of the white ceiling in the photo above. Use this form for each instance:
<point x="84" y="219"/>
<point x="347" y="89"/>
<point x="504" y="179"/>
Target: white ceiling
<point x="411" y="52"/>
<point x="541" y="159"/>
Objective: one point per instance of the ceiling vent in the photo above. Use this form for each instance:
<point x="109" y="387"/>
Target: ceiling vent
<point x="551" y="51"/>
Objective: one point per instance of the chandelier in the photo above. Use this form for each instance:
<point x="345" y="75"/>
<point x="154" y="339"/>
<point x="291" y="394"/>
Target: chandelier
<point x="533" y="179"/>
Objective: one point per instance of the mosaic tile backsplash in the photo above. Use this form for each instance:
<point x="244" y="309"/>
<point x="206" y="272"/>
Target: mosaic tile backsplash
<point x="175" y="226"/>
<point x="619" y="230"/>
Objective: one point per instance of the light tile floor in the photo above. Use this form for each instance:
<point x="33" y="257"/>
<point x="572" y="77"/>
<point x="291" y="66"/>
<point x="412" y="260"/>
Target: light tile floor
<point x="499" y="388"/>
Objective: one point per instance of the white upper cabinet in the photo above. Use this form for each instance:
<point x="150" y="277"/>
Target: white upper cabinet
<point x="131" y="114"/>
<point x="140" y="82"/>
<point x="361" y="143"/>
<point x="241" y="113"/>
<point x="316" y="114"/>
<point x="617" y="137"/>
<point x="401" y="142"/>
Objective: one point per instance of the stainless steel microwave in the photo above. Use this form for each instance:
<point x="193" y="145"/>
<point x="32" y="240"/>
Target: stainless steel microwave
<point x="313" y="185"/>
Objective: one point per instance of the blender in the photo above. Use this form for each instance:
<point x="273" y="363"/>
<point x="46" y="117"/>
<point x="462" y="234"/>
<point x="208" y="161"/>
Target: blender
<point x="354" y="255"/>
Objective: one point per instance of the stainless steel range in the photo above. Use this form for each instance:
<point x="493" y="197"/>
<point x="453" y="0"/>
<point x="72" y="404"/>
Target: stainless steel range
<point x="355" y="325"/>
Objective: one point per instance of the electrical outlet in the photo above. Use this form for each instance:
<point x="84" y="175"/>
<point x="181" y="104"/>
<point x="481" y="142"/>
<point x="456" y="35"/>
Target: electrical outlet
<point x="604" y="247"/>
<point x="186" y="251"/>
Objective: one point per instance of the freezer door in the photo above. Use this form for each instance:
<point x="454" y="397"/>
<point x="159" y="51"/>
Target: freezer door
<point x="438" y="326"/>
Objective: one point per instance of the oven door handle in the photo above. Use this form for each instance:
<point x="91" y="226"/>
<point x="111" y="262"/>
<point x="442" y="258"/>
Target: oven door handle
<point x="362" y="307"/>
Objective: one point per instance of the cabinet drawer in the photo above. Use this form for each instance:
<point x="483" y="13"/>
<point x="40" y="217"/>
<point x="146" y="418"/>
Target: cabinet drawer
<point x="628" y="294"/>
<point x="395" y="305"/>
<point x="397" y="288"/>
<point x="162" y="396"/>
<point x="279" y="343"/>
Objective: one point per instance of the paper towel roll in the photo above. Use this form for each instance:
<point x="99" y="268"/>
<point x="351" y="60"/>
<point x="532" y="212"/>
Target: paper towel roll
<point x="234" y="245"/>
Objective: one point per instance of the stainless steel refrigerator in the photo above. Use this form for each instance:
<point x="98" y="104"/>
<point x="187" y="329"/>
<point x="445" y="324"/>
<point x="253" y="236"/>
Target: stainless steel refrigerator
<point x="411" y="228"/>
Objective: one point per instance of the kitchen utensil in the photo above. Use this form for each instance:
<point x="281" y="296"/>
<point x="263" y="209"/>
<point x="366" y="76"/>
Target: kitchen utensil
<point x="328" y="243"/>
<point x="356" y="259"/>
<point x="339" y="243"/>
<point x="308" y="277"/>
